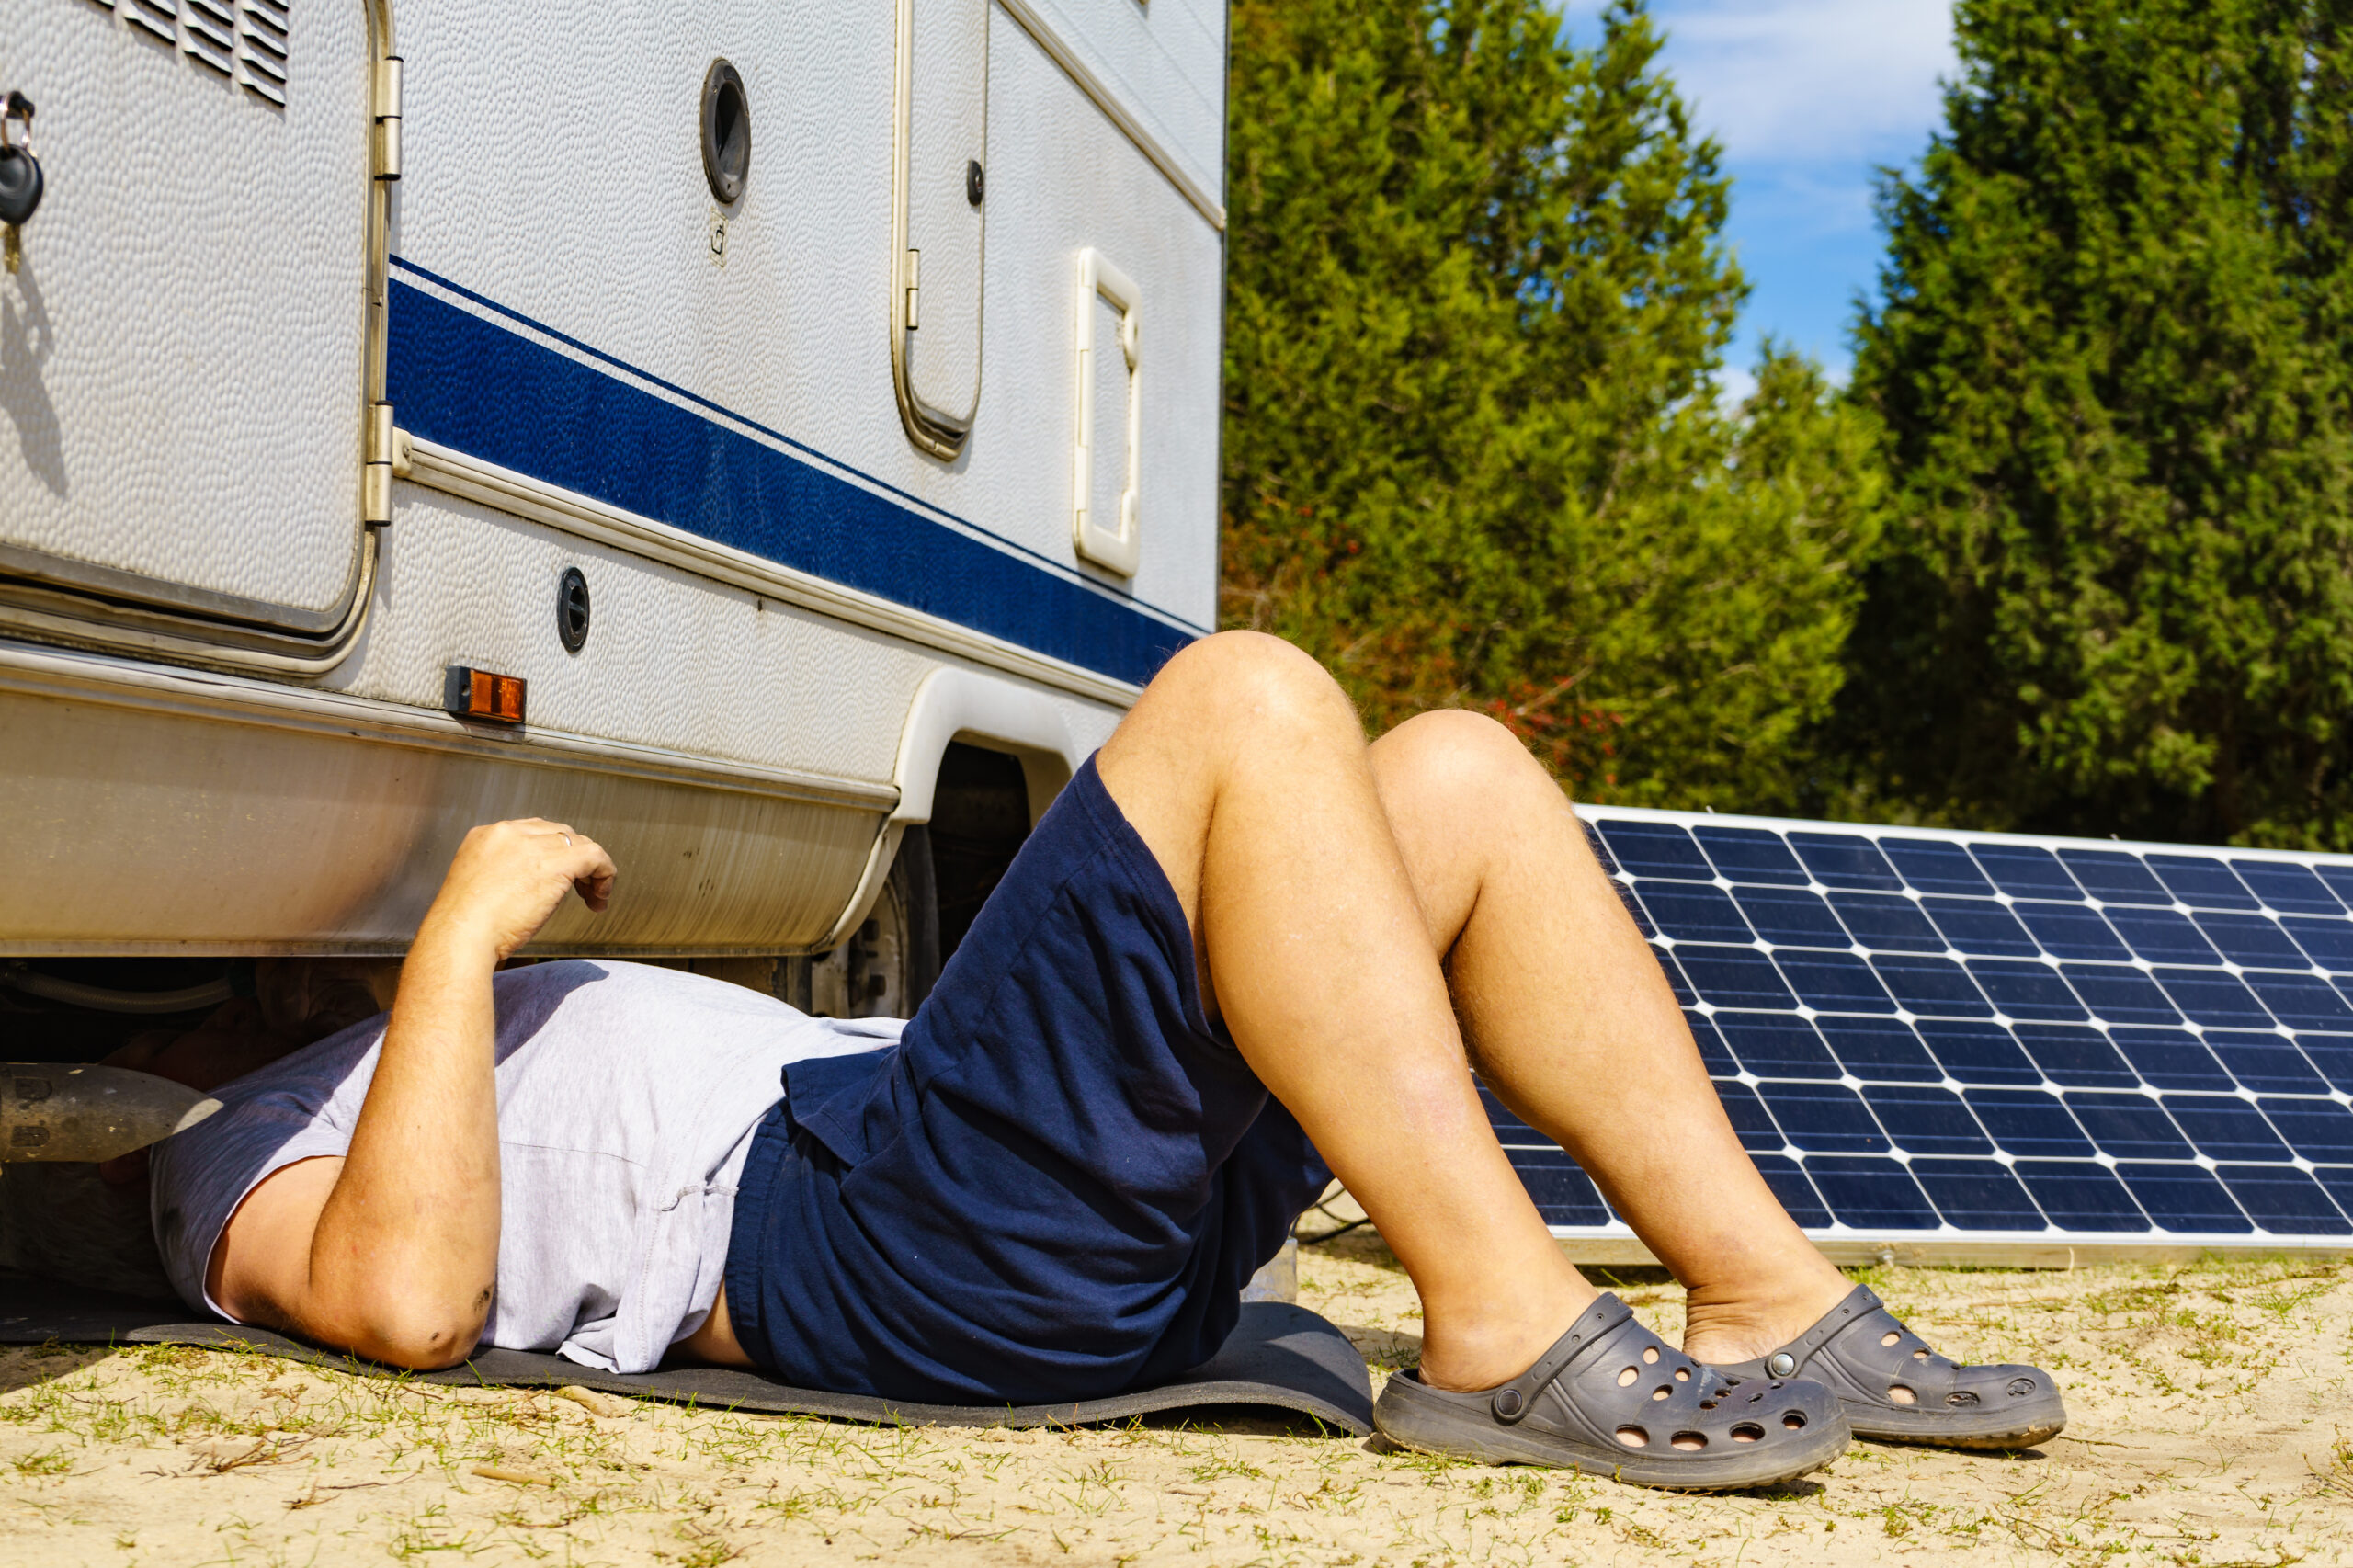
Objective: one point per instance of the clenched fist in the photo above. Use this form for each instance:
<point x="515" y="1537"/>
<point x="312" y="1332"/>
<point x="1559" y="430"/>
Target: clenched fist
<point x="508" y="877"/>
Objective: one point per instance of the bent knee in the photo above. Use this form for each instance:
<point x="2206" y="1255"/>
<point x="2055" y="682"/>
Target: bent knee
<point x="1249" y="675"/>
<point x="1457" y="755"/>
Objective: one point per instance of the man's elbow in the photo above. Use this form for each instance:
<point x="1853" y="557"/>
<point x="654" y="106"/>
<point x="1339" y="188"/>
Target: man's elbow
<point x="421" y="1342"/>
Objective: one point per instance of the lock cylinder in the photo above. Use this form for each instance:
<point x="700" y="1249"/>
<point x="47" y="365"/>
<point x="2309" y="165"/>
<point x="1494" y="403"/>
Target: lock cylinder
<point x="21" y="182"/>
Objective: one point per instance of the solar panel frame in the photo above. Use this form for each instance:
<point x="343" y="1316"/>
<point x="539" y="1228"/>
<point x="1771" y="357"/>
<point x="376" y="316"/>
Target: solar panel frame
<point x="1927" y="1039"/>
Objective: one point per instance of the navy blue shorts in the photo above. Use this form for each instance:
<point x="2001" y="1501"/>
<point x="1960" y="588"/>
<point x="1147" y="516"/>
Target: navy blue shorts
<point x="1053" y="1187"/>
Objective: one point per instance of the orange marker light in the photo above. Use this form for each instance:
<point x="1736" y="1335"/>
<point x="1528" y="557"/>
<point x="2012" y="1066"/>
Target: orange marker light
<point x="481" y="694"/>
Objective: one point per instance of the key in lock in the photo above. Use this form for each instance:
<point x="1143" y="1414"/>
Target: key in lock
<point x="21" y="183"/>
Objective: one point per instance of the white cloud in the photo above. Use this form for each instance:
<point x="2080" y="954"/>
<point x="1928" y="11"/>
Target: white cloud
<point x="1800" y="80"/>
<point x="1808" y="79"/>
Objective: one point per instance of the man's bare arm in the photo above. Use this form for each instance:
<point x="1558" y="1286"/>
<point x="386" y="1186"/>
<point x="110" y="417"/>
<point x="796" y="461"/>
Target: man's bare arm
<point x="390" y="1251"/>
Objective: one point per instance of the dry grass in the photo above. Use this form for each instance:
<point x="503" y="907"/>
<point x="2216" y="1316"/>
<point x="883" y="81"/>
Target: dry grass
<point x="2214" y="1425"/>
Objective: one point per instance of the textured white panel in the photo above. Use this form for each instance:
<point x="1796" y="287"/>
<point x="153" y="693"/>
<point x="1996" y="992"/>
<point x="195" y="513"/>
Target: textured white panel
<point x="1061" y="181"/>
<point x="671" y="661"/>
<point x="948" y="130"/>
<point x="525" y="185"/>
<point x="1164" y="60"/>
<point x="180" y="351"/>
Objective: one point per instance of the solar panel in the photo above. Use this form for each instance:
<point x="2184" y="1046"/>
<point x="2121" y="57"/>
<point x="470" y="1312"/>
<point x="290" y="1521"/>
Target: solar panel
<point x="1951" y="1046"/>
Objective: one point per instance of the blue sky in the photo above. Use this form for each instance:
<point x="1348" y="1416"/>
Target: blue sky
<point x="1807" y="97"/>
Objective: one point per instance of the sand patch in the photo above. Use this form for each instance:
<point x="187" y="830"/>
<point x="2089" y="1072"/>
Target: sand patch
<point x="2213" y="1424"/>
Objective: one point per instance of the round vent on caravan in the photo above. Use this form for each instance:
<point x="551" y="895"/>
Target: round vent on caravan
<point x="726" y="131"/>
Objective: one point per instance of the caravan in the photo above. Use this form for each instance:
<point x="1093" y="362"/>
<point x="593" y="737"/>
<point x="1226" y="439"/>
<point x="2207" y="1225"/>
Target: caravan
<point x="780" y="437"/>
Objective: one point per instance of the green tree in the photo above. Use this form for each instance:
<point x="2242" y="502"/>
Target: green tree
<point x="2110" y="357"/>
<point x="1474" y="453"/>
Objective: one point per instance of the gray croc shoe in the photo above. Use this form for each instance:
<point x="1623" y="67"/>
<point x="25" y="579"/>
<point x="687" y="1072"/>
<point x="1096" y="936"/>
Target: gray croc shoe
<point x="1611" y="1398"/>
<point x="1895" y="1389"/>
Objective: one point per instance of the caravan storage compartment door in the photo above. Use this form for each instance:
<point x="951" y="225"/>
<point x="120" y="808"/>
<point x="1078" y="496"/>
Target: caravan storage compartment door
<point x="941" y="196"/>
<point x="183" y="342"/>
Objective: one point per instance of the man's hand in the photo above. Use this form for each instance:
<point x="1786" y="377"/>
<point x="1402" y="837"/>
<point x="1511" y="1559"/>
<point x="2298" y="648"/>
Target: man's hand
<point x="507" y="879"/>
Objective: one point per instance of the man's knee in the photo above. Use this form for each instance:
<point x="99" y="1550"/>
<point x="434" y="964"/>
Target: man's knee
<point x="1453" y="754"/>
<point x="1246" y="681"/>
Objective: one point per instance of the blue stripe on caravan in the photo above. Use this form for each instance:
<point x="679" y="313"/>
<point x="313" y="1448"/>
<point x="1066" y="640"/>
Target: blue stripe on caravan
<point x="468" y="383"/>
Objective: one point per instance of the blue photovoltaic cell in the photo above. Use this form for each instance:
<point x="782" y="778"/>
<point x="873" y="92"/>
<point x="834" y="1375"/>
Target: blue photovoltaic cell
<point x="2225" y="1128"/>
<point x="1845" y="860"/>
<point x="1870" y="1194"/>
<point x="1749" y="855"/>
<point x="2328" y="943"/>
<point x="2281" y="1197"/>
<point x="1885" y="1050"/>
<point x="2171" y="1059"/>
<point x="1655" y="849"/>
<point x="2114" y="877"/>
<point x="2302" y="1002"/>
<point x="1922" y="1120"/>
<point x="2212" y="998"/>
<point x="1978" y="1053"/>
<point x="1694" y="911"/>
<point x="1980" y="925"/>
<point x="1931" y="865"/>
<point x="2320" y="1131"/>
<point x="2161" y="936"/>
<point x="2265" y="1062"/>
<point x="2202" y="881"/>
<point x="2340" y="878"/>
<point x="2024" y="870"/>
<point x="2332" y="1054"/>
<point x="2118" y="995"/>
<point x="1977" y="1195"/>
<point x="1887" y="924"/>
<point x="1776" y="1045"/>
<point x="1922" y="1034"/>
<point x="2081" y="1196"/>
<point x="1734" y="977"/>
<point x="1835" y="982"/>
<point x="2022" y="990"/>
<point x="2255" y="940"/>
<point x="2072" y="931"/>
<point x="2291" y="888"/>
<point x="2075" y="1057"/>
<point x="1931" y="986"/>
<point x="1792" y="917"/>
<point x="2183" y="1198"/>
<point x="1824" y="1116"/>
<point x="2130" y="1127"/>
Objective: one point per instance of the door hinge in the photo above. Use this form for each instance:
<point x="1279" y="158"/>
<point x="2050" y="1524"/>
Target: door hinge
<point x="388" y="117"/>
<point x="375" y="471"/>
<point x="914" y="290"/>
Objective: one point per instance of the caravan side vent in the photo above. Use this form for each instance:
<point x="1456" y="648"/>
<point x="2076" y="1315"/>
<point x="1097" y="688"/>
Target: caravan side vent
<point x="211" y="35"/>
<point x="242" y="40"/>
<point x="161" y="17"/>
<point x="264" y="49"/>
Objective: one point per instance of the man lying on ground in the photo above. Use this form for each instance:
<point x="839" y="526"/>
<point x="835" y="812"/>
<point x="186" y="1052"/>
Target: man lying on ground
<point x="1241" y="947"/>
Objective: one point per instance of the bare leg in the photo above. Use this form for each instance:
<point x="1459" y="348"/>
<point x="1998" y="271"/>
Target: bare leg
<point x="1245" y="772"/>
<point x="1570" y="1021"/>
<point x="1325" y="882"/>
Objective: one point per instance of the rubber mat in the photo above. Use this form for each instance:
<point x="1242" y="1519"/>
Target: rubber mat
<point x="1279" y="1356"/>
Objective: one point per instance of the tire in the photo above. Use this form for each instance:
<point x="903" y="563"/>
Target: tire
<point x="888" y="966"/>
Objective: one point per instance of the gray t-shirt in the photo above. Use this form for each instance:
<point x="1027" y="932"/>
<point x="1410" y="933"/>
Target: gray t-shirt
<point x="627" y="1100"/>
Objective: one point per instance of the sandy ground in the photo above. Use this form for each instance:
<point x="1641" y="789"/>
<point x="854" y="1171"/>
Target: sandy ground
<point x="2213" y="1424"/>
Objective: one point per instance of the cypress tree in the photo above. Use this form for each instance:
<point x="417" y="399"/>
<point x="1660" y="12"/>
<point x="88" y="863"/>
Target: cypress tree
<point x="2111" y="356"/>
<point x="1477" y="301"/>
